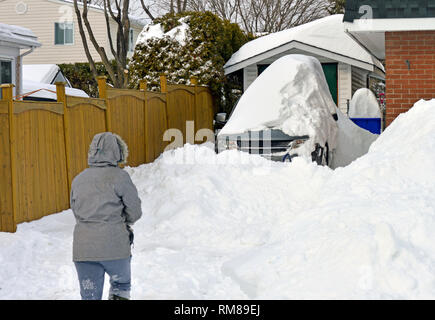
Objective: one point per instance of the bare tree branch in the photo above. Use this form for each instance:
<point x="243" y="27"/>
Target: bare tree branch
<point x="121" y="18"/>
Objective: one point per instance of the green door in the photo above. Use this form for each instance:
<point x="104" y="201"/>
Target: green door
<point x="330" y="70"/>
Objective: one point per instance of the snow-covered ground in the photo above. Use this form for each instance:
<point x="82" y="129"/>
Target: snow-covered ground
<point x="236" y="226"/>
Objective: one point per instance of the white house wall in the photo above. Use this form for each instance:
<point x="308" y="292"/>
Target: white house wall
<point x="344" y="74"/>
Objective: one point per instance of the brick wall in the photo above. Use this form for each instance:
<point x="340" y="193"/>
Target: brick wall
<point x="407" y="86"/>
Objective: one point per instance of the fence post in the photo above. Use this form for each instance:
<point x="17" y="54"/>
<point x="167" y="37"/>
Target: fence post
<point x="164" y="89"/>
<point x="102" y="93"/>
<point x="163" y="84"/>
<point x="194" y="80"/>
<point x="143" y="87"/>
<point x="61" y="97"/>
<point x="197" y="124"/>
<point x="7" y="94"/>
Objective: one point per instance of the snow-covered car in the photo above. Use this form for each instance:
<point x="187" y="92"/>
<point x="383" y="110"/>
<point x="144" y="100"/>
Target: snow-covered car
<point x="288" y="111"/>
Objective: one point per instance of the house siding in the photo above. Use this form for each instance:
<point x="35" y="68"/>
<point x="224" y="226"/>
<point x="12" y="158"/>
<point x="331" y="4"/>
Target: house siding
<point x="250" y="73"/>
<point x="40" y="17"/>
<point x="344" y="86"/>
<point x="359" y="79"/>
<point x="407" y="86"/>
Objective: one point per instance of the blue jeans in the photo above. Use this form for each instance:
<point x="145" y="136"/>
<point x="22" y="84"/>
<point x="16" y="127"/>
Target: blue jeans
<point x="91" y="278"/>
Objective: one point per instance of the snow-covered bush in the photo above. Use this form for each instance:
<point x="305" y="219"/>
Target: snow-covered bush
<point x="185" y="45"/>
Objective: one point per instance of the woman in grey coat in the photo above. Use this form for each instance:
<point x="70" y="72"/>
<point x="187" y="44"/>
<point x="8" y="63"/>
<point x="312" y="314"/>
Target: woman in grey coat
<point x="105" y="203"/>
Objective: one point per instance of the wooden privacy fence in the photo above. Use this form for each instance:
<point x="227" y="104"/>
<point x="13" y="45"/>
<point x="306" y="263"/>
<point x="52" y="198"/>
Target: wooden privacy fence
<point x="44" y="145"/>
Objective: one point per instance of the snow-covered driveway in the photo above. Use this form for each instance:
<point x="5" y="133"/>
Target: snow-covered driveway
<point x="236" y="226"/>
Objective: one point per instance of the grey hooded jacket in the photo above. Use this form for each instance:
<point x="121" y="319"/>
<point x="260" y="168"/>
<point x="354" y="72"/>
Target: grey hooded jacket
<point x="104" y="200"/>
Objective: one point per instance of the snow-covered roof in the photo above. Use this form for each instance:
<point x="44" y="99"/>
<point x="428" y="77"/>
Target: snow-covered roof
<point x="47" y="91"/>
<point x="18" y="36"/>
<point x="44" y="73"/>
<point x="326" y="37"/>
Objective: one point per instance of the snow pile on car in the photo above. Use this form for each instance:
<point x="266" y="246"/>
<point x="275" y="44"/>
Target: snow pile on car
<point x="364" y="105"/>
<point x="237" y="226"/>
<point x="292" y="95"/>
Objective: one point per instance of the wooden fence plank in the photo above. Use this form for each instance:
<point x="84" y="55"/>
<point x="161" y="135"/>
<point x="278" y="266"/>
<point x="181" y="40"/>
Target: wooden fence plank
<point x="180" y="108"/>
<point x="41" y="173"/>
<point x="85" y="119"/>
<point x="127" y="119"/>
<point x="7" y="221"/>
<point x="155" y="125"/>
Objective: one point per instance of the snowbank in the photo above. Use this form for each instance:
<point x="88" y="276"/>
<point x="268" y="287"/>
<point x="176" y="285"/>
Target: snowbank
<point x="252" y="228"/>
<point x="364" y="105"/>
<point x="352" y="142"/>
<point x="292" y="95"/>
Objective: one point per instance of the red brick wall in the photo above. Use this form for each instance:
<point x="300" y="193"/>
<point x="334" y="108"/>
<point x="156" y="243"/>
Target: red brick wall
<point x="405" y="87"/>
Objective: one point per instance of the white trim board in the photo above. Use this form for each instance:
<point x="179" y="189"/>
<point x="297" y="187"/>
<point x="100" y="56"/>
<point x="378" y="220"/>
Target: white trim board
<point x="389" y="25"/>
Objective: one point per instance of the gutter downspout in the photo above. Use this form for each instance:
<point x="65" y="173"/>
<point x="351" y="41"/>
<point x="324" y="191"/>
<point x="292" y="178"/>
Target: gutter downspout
<point x="19" y="71"/>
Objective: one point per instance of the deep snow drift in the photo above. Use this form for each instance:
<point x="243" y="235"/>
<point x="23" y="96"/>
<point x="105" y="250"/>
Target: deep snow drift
<point x="236" y="226"/>
<point x="352" y="142"/>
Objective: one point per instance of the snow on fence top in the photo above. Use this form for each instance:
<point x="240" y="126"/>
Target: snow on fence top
<point x="327" y="33"/>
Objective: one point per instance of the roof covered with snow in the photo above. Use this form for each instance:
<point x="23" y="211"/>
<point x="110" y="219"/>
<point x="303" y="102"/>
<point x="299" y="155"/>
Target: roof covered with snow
<point x="324" y="36"/>
<point x="18" y="36"/>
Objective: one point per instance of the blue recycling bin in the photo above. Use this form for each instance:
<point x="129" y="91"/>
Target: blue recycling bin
<point x="373" y="125"/>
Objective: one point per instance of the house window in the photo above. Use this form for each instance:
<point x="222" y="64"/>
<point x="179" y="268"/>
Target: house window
<point x="63" y="33"/>
<point x="5" y="72"/>
<point x="261" y="68"/>
<point x="131" y="43"/>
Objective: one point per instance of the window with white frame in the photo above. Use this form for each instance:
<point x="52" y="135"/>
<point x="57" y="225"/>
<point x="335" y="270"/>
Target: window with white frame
<point x="63" y="33"/>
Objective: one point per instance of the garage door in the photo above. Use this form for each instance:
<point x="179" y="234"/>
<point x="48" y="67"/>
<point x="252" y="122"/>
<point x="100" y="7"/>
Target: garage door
<point x="330" y="70"/>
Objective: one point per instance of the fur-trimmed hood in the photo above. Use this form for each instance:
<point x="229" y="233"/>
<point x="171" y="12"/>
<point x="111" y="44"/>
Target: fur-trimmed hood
<point x="107" y="149"/>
